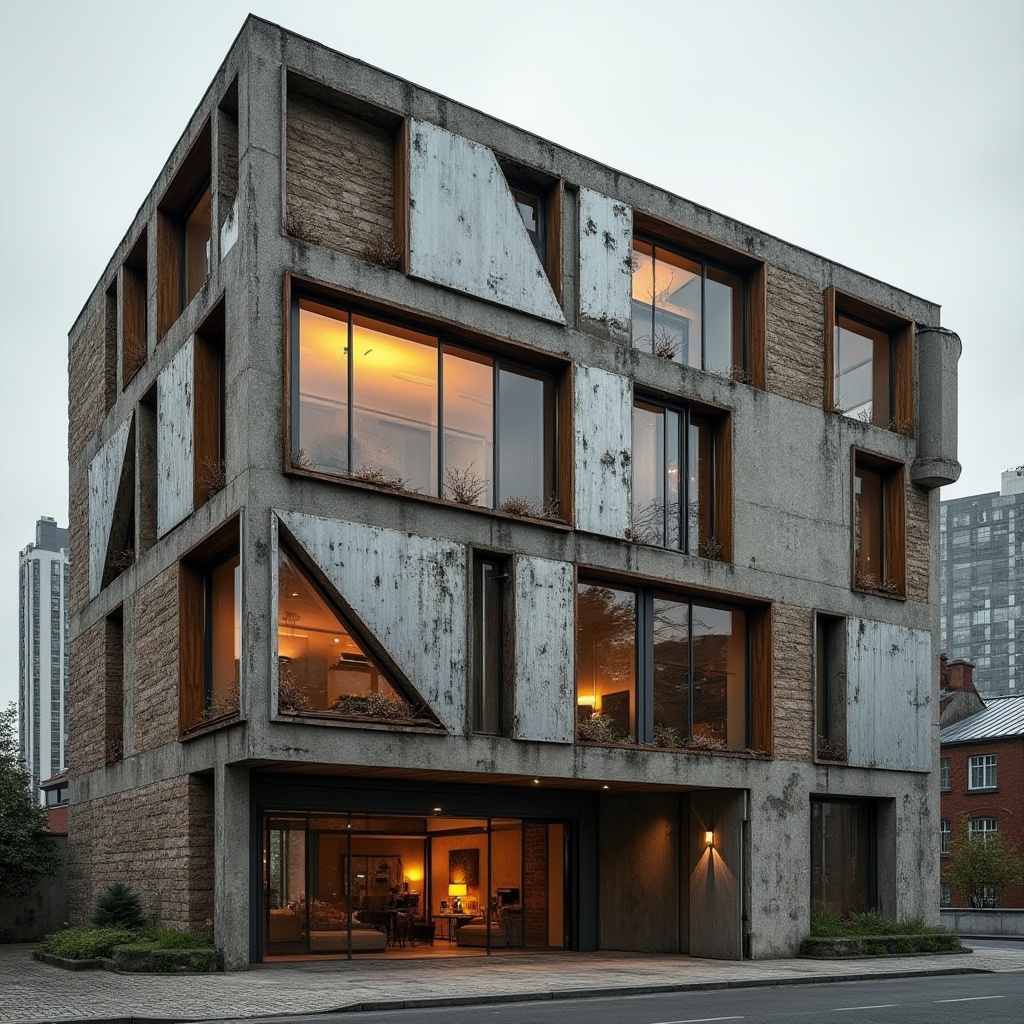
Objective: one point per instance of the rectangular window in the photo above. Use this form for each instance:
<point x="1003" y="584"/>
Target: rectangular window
<point x="680" y="494"/>
<point x="655" y="668"/>
<point x="490" y="575"/>
<point x="983" y="772"/>
<point x="945" y="828"/>
<point x="688" y="310"/>
<point x="944" y="774"/>
<point x="222" y="635"/>
<point x="879" y="525"/>
<point x="134" y="307"/>
<point x="843" y="856"/>
<point x="869" y="355"/>
<point x="945" y="895"/>
<point x="983" y="828"/>
<point x="408" y="409"/>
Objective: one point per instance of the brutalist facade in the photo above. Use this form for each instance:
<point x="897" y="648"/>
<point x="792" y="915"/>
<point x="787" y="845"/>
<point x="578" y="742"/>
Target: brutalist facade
<point x="473" y="541"/>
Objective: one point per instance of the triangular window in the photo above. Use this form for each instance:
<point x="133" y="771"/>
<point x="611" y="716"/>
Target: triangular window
<point x="322" y="667"/>
<point x="121" y="547"/>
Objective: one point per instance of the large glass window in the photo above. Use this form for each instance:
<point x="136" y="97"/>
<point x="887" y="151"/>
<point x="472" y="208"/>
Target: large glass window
<point x="408" y="409"/>
<point x="879" y="526"/>
<point x="658" y="669"/>
<point x="687" y="310"/>
<point x="983" y="772"/>
<point x="843" y="860"/>
<point x="673" y="479"/>
<point x="862" y="368"/>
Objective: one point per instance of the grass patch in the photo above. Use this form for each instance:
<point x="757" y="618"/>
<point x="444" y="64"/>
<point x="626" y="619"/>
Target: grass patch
<point x="166" y="938"/>
<point x="90" y="942"/>
<point x="826" y="924"/>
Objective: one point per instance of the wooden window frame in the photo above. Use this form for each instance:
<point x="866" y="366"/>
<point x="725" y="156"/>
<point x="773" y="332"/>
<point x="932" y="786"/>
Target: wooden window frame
<point x="134" y="309"/>
<point x="901" y="334"/>
<point x="709" y="251"/>
<point x="503" y="563"/>
<point x="208" y="408"/>
<point x="894" y="524"/>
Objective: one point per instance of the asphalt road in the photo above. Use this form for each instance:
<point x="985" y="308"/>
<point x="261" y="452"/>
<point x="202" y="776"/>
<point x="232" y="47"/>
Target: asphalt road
<point x="957" y="999"/>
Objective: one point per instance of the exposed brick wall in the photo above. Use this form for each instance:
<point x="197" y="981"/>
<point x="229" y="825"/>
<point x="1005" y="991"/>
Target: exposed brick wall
<point x="92" y="377"/>
<point x="795" y="356"/>
<point x="917" y="543"/>
<point x="1006" y="804"/>
<point x="151" y="628"/>
<point x="78" y="541"/>
<point x="86" y="721"/>
<point x="158" y="840"/>
<point x="535" y="870"/>
<point x="792" y="645"/>
<point x="341" y="177"/>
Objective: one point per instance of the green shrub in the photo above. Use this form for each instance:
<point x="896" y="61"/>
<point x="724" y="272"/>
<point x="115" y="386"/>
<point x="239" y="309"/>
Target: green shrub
<point x="167" y="938"/>
<point x="826" y="924"/>
<point x="85" y="943"/>
<point x="118" y="907"/>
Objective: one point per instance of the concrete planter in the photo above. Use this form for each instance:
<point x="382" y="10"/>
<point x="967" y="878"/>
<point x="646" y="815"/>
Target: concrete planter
<point x="154" y="961"/>
<point x="879" y="945"/>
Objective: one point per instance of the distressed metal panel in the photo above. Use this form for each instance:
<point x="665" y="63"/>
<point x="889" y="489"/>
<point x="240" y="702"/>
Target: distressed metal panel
<point x="104" y="479"/>
<point x="603" y="409"/>
<point x="545" y="698"/>
<point x="175" y="388"/>
<point x="465" y="231"/>
<point x="410" y="592"/>
<point x="606" y="259"/>
<point x="888" y="700"/>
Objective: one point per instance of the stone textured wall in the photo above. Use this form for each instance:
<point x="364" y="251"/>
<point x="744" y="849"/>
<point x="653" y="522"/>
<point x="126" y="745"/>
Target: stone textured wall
<point x="151" y="626"/>
<point x="917" y="544"/>
<point x="795" y="356"/>
<point x="792" y="645"/>
<point x="158" y="840"/>
<point x="341" y="178"/>
<point x="78" y="540"/>
<point x="92" y="378"/>
<point x="535" y="868"/>
<point x="86" y="706"/>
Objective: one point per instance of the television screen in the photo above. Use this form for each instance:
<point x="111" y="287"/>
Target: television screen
<point x="508" y="897"/>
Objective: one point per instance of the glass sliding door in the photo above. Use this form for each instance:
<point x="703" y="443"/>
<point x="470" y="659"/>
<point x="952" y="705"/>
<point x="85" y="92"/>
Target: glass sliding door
<point x="286" y="923"/>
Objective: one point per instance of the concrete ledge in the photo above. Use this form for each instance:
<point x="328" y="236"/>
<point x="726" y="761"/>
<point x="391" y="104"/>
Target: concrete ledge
<point x="999" y="924"/>
<point x="880" y="945"/>
<point x="155" y="961"/>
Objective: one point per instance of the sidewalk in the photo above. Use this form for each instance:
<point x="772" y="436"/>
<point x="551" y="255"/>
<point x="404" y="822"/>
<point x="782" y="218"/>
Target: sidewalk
<point x="32" y="991"/>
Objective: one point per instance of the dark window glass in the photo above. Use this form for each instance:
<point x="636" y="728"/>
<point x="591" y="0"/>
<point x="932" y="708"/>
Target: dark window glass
<point x="719" y="676"/>
<point x="868" y="528"/>
<point x="671" y="670"/>
<point x="842" y="856"/>
<point x="531" y="208"/>
<point x="525" y="436"/>
<point x="195" y="248"/>
<point x="489" y="576"/>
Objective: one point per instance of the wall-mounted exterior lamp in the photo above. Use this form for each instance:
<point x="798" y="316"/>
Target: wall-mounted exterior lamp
<point x="709" y="838"/>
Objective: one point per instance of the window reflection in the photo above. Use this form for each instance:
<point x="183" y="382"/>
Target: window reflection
<point x="196" y="248"/>
<point x="323" y="387"/>
<point x="862" y="383"/>
<point x="606" y="661"/>
<point x="223" y="636"/>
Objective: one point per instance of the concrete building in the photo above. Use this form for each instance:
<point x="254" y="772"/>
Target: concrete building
<point x="43" y="586"/>
<point x="981" y="775"/>
<point x="472" y="540"/>
<point x="982" y="559"/>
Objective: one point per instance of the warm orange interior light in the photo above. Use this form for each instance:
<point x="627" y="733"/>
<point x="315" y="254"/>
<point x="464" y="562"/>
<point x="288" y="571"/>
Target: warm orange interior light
<point x="709" y="838"/>
<point x="457" y="889"/>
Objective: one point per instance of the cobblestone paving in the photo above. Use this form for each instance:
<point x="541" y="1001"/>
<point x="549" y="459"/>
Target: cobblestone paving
<point x="32" y="991"/>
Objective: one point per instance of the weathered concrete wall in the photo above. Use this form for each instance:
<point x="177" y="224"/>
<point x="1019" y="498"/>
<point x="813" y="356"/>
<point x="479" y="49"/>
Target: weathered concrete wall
<point x="175" y="442"/>
<point x="464" y="229"/>
<point x="605" y="270"/>
<point x="716" y="875"/>
<point x="28" y="918"/>
<point x="984" y="922"/>
<point x="938" y="352"/>
<point x="105" y="472"/>
<point x="545" y="684"/>
<point x="341" y="178"/>
<point x="639" y="885"/>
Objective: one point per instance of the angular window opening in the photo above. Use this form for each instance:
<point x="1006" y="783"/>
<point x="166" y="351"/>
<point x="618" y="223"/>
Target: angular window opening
<point x="208" y="456"/>
<point x="412" y="411"/>
<point x="145" y="463"/>
<point x="656" y="669"/>
<point x="843" y="856"/>
<point x="830" y="687"/>
<point x="122" y="549"/>
<point x="688" y="310"/>
<point x="680" y="485"/>
<point x="222" y="635"/>
<point x="879" y="525"/>
<point x="533" y="209"/>
<point x="134" y="309"/>
<point x="539" y="202"/>
<point x="323" y="668"/>
<point x="490" y="577"/>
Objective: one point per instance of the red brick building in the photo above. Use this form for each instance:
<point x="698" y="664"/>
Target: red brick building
<point x="981" y="774"/>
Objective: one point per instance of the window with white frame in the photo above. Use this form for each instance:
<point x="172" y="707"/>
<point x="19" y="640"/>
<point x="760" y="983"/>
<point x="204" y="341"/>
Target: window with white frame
<point x="983" y="772"/>
<point x="944" y="774"/>
<point x="983" y="828"/>
<point x="944" y="830"/>
<point x="945" y="895"/>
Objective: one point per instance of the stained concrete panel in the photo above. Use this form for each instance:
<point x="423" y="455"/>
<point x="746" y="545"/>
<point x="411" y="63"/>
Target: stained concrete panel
<point x="105" y="472"/>
<point x="716" y="874"/>
<point x="606" y="250"/>
<point x="175" y="392"/>
<point x="604" y="445"/>
<point x="888" y="721"/>
<point x="465" y="231"/>
<point x="545" y="701"/>
<point x="938" y="352"/>
<point x="410" y="592"/>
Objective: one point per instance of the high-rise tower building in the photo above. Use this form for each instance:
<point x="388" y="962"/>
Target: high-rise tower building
<point x="983" y="583"/>
<point x="44" y="577"/>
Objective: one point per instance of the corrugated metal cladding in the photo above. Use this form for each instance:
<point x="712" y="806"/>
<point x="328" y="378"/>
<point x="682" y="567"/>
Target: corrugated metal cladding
<point x="888" y="691"/>
<point x="465" y="231"/>
<point x="606" y="259"/>
<point x="174" y="439"/>
<point x="604" y="442"/>
<point x="1002" y="717"/>
<point x="104" y="478"/>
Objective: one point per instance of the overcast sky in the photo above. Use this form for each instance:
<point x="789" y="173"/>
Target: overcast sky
<point x="888" y="136"/>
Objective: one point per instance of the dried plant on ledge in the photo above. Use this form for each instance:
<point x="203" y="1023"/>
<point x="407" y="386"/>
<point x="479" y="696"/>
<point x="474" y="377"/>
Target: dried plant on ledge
<point x="122" y="560"/>
<point x="300" y="460"/>
<point x="290" y="699"/>
<point x="378" y="477"/>
<point x="711" y="548"/>
<point x="227" y="705"/>
<point x="211" y="476"/>
<point x="829" y="751"/>
<point x="704" y="743"/>
<point x="668" y="736"/>
<point x="463" y="485"/>
<point x="598" y="728"/>
<point x="869" y="581"/>
<point x="525" y="505"/>
<point x="380" y="248"/>
<point x="376" y="705"/>
<point x="666" y="344"/>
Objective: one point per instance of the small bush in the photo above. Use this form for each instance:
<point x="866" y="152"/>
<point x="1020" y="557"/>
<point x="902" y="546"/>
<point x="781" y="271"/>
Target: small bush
<point x="826" y="924"/>
<point x="166" y="938"/>
<point x="85" y="943"/>
<point x="118" y="907"/>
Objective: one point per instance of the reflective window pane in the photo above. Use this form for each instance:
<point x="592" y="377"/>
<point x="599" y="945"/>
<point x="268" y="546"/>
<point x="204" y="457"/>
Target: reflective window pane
<point x="224" y="623"/>
<point x="394" y="422"/>
<point x="648" y="525"/>
<point x="643" y="295"/>
<point x="468" y="427"/>
<point x="525" y="437"/>
<point x="723" y="342"/>
<point x="719" y="676"/>
<point x="606" y="659"/>
<point x="671" y="672"/>
<point x="677" y="308"/>
<point x="673" y="479"/>
<point x="322" y="441"/>
<point x="868" y="528"/>
<point x="197" y="248"/>
<point x="861" y="381"/>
